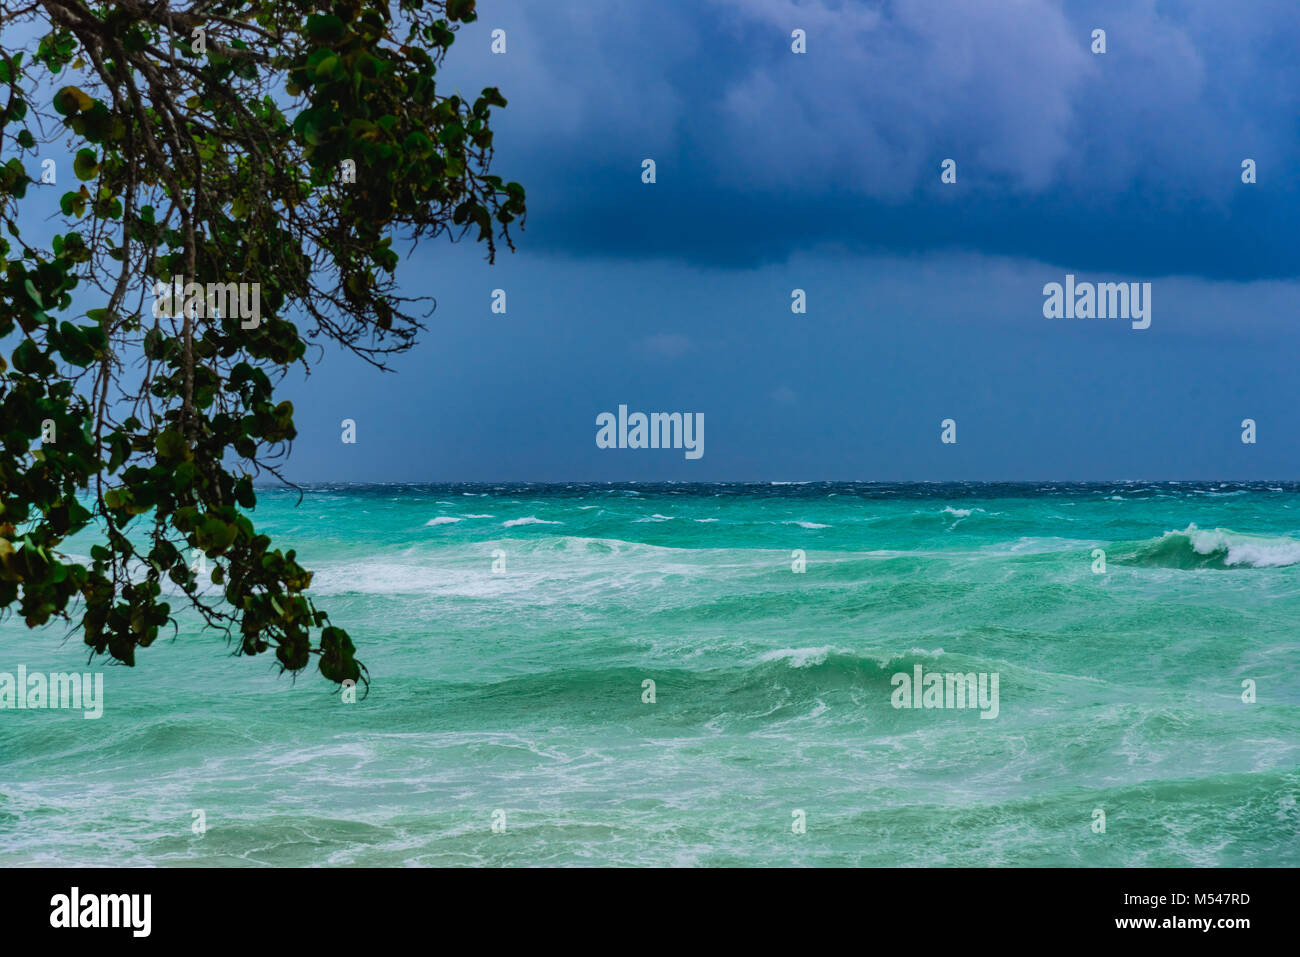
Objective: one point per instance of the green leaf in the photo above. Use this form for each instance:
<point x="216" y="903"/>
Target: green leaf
<point x="171" y="445"/>
<point x="70" y="100"/>
<point x="324" y="28"/>
<point x="327" y="67"/>
<point x="86" y="165"/>
<point x="27" y="357"/>
<point x="461" y="10"/>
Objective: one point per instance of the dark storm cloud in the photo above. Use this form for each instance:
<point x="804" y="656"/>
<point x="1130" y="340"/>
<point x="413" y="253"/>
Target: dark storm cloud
<point x="1128" y="161"/>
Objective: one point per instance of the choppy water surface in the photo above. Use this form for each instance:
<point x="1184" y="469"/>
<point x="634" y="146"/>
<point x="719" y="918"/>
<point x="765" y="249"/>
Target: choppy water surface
<point x="520" y="689"/>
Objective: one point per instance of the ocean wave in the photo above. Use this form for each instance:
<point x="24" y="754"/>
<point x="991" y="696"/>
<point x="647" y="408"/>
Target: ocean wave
<point x="774" y="685"/>
<point x="443" y="520"/>
<point x="966" y="512"/>
<point x="1213" y="548"/>
<point x="582" y="546"/>
<point x="830" y="659"/>
<point x="564" y="568"/>
<point x="808" y="524"/>
<point x="530" y="520"/>
<point x="800" y="657"/>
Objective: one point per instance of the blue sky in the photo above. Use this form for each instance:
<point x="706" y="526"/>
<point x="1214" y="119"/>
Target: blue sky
<point x="821" y="171"/>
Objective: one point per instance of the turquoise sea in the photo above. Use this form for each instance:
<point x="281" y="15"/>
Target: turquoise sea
<point x="510" y="630"/>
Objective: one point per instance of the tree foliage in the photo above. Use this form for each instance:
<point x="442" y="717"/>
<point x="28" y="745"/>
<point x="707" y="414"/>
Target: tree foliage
<point x="209" y="143"/>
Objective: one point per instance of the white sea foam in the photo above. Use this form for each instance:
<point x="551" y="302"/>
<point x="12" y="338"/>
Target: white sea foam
<point x="530" y="520"/>
<point x="1255" y="551"/>
<point x="443" y="520"/>
<point x="808" y="524"/>
<point x="799" y="657"/>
